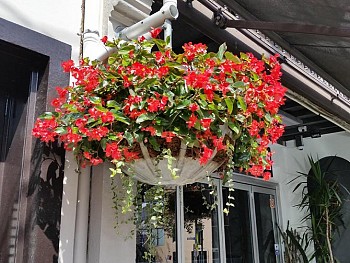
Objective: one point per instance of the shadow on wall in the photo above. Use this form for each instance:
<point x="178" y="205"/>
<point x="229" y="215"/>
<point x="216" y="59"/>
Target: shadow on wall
<point x="46" y="184"/>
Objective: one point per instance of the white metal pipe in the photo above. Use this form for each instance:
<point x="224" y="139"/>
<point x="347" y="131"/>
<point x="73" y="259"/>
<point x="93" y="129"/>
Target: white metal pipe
<point x="180" y="226"/>
<point x="168" y="31"/>
<point x="94" y="48"/>
<point x="168" y="11"/>
<point x="82" y="218"/>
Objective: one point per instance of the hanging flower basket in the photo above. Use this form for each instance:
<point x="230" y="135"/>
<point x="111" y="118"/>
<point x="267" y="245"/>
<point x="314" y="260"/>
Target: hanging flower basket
<point x="157" y="116"/>
<point x="183" y="167"/>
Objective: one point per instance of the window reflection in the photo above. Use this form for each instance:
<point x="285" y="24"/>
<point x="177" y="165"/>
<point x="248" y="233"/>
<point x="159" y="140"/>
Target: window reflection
<point x="201" y="225"/>
<point x="161" y="241"/>
<point x="201" y="229"/>
<point x="264" y="210"/>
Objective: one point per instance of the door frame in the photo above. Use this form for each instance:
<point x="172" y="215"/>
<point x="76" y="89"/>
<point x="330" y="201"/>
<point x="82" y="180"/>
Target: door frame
<point x="254" y="185"/>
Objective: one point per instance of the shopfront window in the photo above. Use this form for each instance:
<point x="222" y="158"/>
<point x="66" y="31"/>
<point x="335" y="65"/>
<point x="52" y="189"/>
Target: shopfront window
<point x="248" y="234"/>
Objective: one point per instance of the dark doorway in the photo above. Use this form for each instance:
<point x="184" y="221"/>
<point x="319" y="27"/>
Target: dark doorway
<point x="19" y="78"/>
<point x="31" y="175"/>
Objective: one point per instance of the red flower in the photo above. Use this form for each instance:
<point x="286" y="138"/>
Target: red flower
<point x="191" y="121"/>
<point x="254" y="128"/>
<point x="80" y="123"/>
<point x="87" y="155"/>
<point x="159" y="57"/>
<point x="45" y="129"/>
<point x="168" y="135"/>
<point x="57" y="102"/>
<point x="113" y="151"/>
<point x="218" y="143"/>
<point x="266" y="176"/>
<point x="96" y="161"/>
<point x="127" y="82"/>
<point x="95" y="113"/>
<point x="62" y="92"/>
<point x="193" y="50"/>
<point x="205" y="122"/>
<point x="107" y="117"/>
<point x="206" y="154"/>
<point x="193" y="107"/>
<point x="130" y="156"/>
<point x="97" y="133"/>
<point x="150" y="129"/>
<point x="153" y="105"/>
<point x="162" y="71"/>
<point x="104" y="39"/>
<point x="256" y="170"/>
<point x="155" y="32"/>
<point x="67" y="65"/>
<point x="141" y="38"/>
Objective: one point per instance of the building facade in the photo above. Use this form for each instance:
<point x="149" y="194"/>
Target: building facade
<point x="49" y="213"/>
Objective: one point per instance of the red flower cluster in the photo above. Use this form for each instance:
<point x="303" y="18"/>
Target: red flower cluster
<point x="140" y="94"/>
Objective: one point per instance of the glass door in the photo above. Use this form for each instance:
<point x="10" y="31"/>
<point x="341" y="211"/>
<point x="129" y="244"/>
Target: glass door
<point x="251" y="233"/>
<point x="266" y="225"/>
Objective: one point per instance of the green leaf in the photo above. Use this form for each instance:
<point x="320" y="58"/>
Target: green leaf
<point x="221" y="51"/>
<point x="147" y="82"/>
<point x="129" y="137"/>
<point x="103" y="143"/>
<point x="61" y="130"/>
<point x="48" y="115"/>
<point x="154" y="143"/>
<point x="297" y="244"/>
<point x="242" y="103"/>
<point x="229" y="104"/>
<point x="230" y="56"/>
<point x="120" y="117"/>
<point x="125" y="50"/>
<point x="234" y="127"/>
<point x="183" y="104"/>
<point x="95" y="100"/>
<point x="100" y="108"/>
<point x="145" y="117"/>
<point x="160" y="43"/>
<point x="229" y="80"/>
<point x="244" y="56"/>
<point x="113" y="104"/>
<point x="238" y="84"/>
<point x="268" y="117"/>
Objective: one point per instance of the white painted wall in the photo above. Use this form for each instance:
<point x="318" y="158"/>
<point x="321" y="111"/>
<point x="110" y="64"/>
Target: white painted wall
<point x="107" y="243"/>
<point x="57" y="19"/>
<point x="288" y="160"/>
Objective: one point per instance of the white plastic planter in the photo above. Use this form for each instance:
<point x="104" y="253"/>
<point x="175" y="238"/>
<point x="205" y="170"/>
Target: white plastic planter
<point x="189" y="169"/>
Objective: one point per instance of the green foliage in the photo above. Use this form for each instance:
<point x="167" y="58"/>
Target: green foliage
<point x="321" y="198"/>
<point x="295" y="245"/>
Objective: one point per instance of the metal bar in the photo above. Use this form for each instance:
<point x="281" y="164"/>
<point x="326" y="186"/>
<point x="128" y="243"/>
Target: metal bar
<point x="180" y="225"/>
<point x="290" y="27"/>
<point x="221" y="223"/>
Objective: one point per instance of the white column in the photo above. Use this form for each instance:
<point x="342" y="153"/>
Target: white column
<point x="68" y="210"/>
<point x="82" y="217"/>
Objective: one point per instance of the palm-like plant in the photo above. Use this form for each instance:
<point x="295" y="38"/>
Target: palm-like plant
<point x="321" y="198"/>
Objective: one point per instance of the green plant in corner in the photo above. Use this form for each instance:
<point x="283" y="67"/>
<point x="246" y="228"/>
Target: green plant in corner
<point x="295" y="245"/>
<point x="321" y="198"/>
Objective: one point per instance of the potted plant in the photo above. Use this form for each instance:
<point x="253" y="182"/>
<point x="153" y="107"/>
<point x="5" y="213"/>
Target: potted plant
<point x="166" y="118"/>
